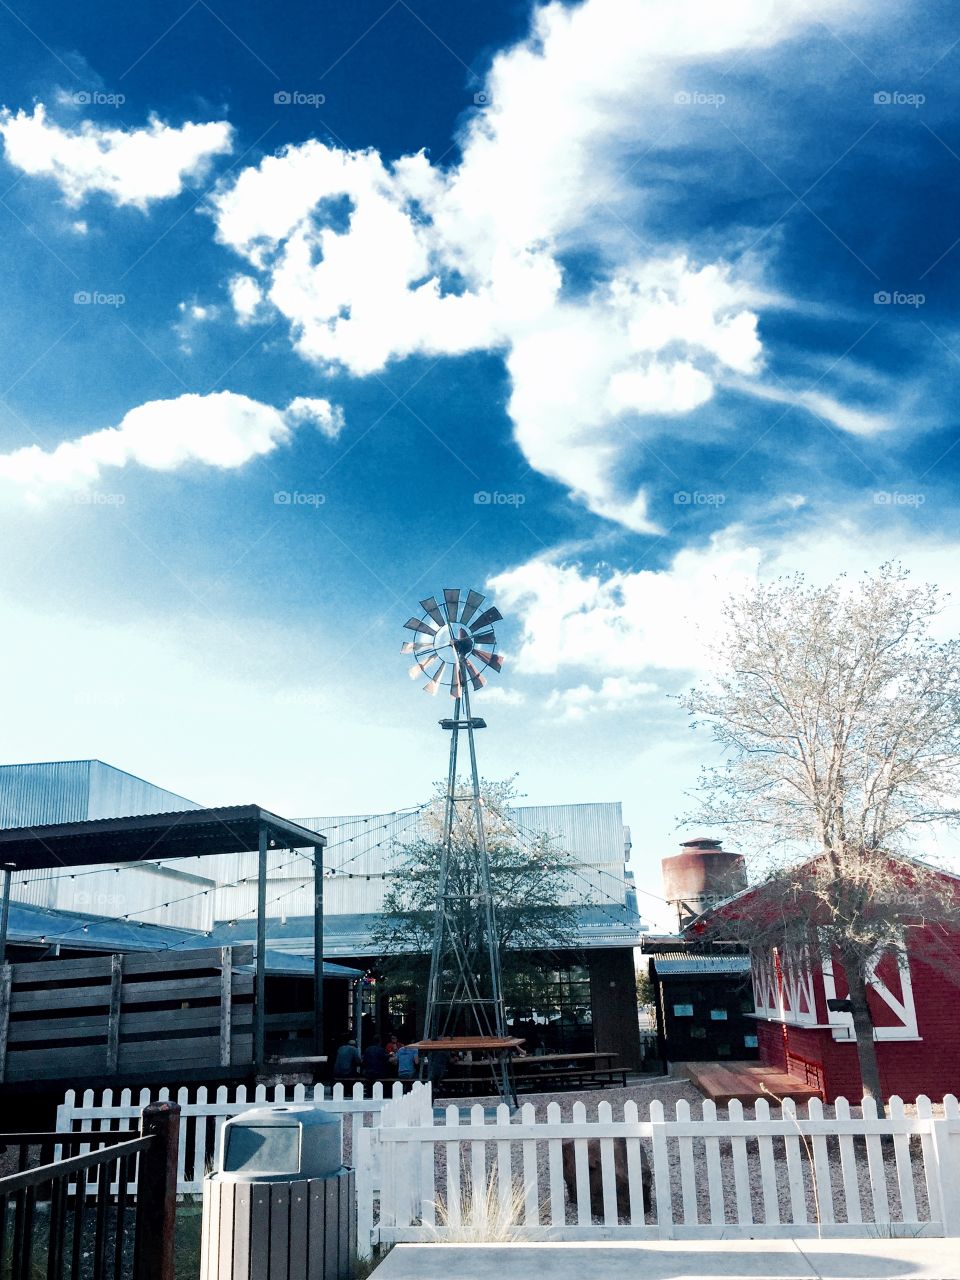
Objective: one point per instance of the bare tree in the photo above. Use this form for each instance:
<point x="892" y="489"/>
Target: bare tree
<point x="839" y="716"/>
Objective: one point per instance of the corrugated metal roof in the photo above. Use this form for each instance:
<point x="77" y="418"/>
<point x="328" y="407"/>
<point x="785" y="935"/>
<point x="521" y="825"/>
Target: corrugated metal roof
<point x="30" y="925"/>
<point x="673" y="964"/>
<point x="351" y="935"/>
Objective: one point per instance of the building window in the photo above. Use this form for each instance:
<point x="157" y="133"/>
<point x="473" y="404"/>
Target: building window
<point x="683" y="1010"/>
<point x="698" y="1033"/>
<point x="718" y="1015"/>
<point x="751" y="1042"/>
<point x="553" y="1012"/>
<point x="723" y="1051"/>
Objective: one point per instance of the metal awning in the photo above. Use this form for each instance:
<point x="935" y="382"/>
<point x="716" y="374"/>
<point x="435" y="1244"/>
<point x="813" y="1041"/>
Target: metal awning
<point x="181" y="834"/>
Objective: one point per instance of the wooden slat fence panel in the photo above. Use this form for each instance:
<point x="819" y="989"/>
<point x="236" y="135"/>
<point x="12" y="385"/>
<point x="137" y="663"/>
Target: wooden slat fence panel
<point x="104" y="1015"/>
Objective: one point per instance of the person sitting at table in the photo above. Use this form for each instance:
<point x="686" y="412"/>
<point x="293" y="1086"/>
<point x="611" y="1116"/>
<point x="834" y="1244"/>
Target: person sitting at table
<point x="438" y="1064"/>
<point x="347" y="1060"/>
<point x="376" y="1064"/>
<point x="407" y="1062"/>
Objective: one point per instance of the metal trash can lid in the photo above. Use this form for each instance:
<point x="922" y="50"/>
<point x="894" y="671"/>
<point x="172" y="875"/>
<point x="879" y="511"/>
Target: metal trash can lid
<point x="275" y="1144"/>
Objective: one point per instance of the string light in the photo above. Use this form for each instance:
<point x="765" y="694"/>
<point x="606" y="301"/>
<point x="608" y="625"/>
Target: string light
<point x="532" y="840"/>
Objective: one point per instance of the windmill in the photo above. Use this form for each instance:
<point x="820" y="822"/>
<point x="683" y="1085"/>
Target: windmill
<point x="453" y="644"/>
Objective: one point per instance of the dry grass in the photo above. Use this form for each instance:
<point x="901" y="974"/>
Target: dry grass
<point x="481" y="1215"/>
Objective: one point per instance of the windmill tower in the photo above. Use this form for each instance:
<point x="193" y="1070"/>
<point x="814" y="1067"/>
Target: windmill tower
<point x="453" y="644"/>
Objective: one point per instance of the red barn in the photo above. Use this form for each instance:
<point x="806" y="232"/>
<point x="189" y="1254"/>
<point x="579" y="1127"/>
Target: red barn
<point x="914" y="1004"/>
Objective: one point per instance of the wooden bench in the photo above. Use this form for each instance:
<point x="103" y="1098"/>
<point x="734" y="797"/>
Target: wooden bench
<point x="580" y="1076"/>
<point x="538" y="1081"/>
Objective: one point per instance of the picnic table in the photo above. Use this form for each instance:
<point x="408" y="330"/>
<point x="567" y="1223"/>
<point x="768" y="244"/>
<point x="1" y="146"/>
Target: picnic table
<point x="533" y="1072"/>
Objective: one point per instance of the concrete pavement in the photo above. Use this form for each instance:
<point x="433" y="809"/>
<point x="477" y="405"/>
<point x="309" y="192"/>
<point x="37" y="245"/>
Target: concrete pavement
<point x="914" y="1259"/>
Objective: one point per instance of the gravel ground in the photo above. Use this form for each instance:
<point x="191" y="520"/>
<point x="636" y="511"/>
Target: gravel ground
<point x="672" y="1090"/>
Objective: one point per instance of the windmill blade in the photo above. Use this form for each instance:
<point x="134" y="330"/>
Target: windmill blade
<point x="493" y="660"/>
<point x="476" y="679"/>
<point x="470" y="606"/>
<point x="451" y="601"/>
<point x="452" y="627"/>
<point x="430" y="606"/>
<point x="421" y="664"/>
<point x="489" y="615"/>
<point x="414" y="624"/>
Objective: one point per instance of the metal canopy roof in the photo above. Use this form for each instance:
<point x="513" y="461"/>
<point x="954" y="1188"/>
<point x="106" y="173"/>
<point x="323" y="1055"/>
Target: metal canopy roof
<point x="180" y="834"/>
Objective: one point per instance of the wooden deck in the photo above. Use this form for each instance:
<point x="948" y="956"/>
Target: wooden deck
<point x="746" y="1082"/>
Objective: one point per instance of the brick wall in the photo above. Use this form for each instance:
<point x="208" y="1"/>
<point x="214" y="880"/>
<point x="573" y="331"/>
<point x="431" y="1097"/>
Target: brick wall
<point x="613" y="989"/>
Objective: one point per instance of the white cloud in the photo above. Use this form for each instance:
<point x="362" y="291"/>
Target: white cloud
<point x="644" y="622"/>
<point x="611" y="622"/>
<point x="370" y="262"/>
<point x="326" y="417"/>
<point x="505" y="697"/>
<point x="615" y="693"/>
<point x="131" y="166"/>
<point x="221" y="430"/>
<point x="246" y="296"/>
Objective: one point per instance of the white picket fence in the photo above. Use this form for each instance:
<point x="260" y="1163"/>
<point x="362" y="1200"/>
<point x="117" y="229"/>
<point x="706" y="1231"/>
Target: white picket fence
<point x="202" y="1115"/>
<point x="783" y="1174"/>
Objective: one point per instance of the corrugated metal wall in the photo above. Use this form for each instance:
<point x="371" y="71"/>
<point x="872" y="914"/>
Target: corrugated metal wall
<point x="32" y="794"/>
<point x="143" y="891"/>
<point x="75" y="790"/>
<point x="365" y="846"/>
<point x="115" y="794"/>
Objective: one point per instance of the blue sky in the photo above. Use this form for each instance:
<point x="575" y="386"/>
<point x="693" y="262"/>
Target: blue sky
<point x="673" y="285"/>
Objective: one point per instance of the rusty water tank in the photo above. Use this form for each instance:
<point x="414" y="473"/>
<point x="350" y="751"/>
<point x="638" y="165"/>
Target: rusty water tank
<point x="701" y="874"/>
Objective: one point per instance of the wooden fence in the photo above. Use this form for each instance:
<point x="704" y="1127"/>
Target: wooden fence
<point x="202" y="1113"/>
<point x="786" y="1174"/>
<point x="127" y="1015"/>
<point x="55" y="1232"/>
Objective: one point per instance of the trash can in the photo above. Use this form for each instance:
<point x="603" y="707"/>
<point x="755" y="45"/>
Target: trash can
<point x="280" y="1205"/>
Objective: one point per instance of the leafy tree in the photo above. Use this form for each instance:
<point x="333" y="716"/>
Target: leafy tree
<point x="530" y="878"/>
<point x="839" y="716"/>
<point x="645" y="992"/>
